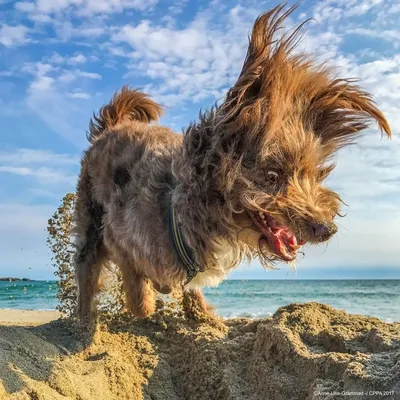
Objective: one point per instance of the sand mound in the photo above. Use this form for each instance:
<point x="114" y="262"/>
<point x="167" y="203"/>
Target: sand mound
<point x="302" y="352"/>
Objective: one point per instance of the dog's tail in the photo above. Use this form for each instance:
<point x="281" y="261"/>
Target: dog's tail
<point x="126" y="105"/>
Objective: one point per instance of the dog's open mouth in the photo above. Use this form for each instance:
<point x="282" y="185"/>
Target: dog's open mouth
<point x="280" y="239"/>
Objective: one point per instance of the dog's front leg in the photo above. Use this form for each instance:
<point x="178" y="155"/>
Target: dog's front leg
<point x="139" y="292"/>
<point x="195" y="306"/>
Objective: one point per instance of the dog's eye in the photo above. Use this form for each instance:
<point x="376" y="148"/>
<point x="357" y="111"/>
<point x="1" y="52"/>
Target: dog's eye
<point x="272" y="177"/>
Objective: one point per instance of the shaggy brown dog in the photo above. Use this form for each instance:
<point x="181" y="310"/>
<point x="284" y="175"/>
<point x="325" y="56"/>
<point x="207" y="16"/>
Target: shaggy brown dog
<point x="245" y="181"/>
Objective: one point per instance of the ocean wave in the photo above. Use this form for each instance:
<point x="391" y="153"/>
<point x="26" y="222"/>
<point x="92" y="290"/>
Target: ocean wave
<point x="245" y="314"/>
<point x="299" y="295"/>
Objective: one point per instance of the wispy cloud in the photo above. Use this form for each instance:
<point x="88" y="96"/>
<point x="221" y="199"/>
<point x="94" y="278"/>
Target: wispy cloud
<point x="51" y="92"/>
<point x="30" y="156"/>
<point x="79" y="95"/>
<point x="77" y="58"/>
<point x="12" y="36"/>
<point x="196" y="62"/>
<point x="390" y="35"/>
<point x="72" y="75"/>
<point x="45" y="167"/>
<point x="82" y="7"/>
<point x="45" y="176"/>
<point x="334" y="10"/>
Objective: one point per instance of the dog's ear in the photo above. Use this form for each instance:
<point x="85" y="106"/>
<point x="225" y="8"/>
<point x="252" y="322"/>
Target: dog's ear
<point x="265" y="55"/>
<point x="342" y="110"/>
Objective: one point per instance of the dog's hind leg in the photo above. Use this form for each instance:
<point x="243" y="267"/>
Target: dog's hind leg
<point x="139" y="292"/>
<point x="89" y="261"/>
<point x="88" y="265"/>
<point x="91" y="253"/>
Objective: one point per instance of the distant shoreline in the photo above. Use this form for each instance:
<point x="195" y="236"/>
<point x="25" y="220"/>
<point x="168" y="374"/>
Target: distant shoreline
<point x="9" y="279"/>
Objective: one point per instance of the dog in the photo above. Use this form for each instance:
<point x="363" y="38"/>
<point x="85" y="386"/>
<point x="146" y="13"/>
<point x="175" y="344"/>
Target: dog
<point x="243" y="182"/>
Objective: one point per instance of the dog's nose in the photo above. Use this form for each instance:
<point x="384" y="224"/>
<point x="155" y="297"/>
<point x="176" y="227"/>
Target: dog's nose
<point x="323" y="231"/>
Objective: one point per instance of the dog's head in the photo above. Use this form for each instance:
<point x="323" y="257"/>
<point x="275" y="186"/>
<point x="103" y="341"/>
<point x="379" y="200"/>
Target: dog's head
<point x="269" y="146"/>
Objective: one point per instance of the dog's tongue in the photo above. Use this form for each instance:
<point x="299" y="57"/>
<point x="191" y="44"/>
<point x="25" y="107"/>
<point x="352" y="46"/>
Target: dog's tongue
<point x="280" y="239"/>
<point x="283" y="242"/>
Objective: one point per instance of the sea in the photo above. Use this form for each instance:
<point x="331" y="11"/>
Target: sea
<point x="249" y="298"/>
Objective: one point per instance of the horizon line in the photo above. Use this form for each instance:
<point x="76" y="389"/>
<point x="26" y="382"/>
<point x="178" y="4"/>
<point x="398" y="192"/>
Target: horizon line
<point x="234" y="279"/>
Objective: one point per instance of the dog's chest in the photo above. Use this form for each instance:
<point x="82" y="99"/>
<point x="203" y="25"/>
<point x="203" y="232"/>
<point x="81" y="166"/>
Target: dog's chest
<point x="213" y="276"/>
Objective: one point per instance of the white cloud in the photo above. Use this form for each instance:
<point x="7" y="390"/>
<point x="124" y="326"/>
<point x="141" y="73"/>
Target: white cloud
<point x="177" y="7"/>
<point x="361" y="7"/>
<point x="77" y="58"/>
<point x="11" y="36"/>
<point x="72" y="75"/>
<point x="44" y="176"/>
<point x="31" y="156"/>
<point x="334" y="10"/>
<point x="65" y="30"/>
<point x="83" y="7"/>
<point x="163" y="42"/>
<point x="45" y="167"/>
<point x="38" y="69"/>
<point x="195" y="62"/>
<point x="56" y="58"/>
<point x="42" y="84"/>
<point x="41" y="18"/>
<point x="25" y="6"/>
<point x="79" y="95"/>
<point x="394" y="9"/>
<point x="391" y="35"/>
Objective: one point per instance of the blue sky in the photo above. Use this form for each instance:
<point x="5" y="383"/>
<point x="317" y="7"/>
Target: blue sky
<point x="60" y="60"/>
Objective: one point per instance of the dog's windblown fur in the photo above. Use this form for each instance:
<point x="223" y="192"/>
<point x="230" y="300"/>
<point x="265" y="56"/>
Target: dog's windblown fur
<point x="245" y="181"/>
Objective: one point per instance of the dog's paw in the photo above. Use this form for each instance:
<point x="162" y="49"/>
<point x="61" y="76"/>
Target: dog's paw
<point x="86" y="329"/>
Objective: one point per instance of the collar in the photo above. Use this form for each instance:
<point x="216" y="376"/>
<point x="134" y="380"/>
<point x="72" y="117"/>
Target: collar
<point x="185" y="253"/>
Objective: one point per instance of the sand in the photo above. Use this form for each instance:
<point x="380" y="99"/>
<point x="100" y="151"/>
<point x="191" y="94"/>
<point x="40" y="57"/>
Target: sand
<point x="308" y="351"/>
<point x="27" y="317"/>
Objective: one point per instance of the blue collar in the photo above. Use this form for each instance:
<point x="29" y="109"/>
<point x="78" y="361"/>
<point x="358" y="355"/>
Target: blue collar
<point x="185" y="253"/>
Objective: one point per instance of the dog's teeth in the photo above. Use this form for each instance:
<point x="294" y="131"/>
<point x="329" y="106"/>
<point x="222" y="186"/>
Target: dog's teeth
<point x="261" y="214"/>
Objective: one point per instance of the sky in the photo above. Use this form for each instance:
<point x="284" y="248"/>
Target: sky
<point x="60" y="60"/>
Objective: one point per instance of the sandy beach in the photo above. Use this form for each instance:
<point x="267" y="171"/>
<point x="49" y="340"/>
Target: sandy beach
<point x="27" y="317"/>
<point x="308" y="351"/>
